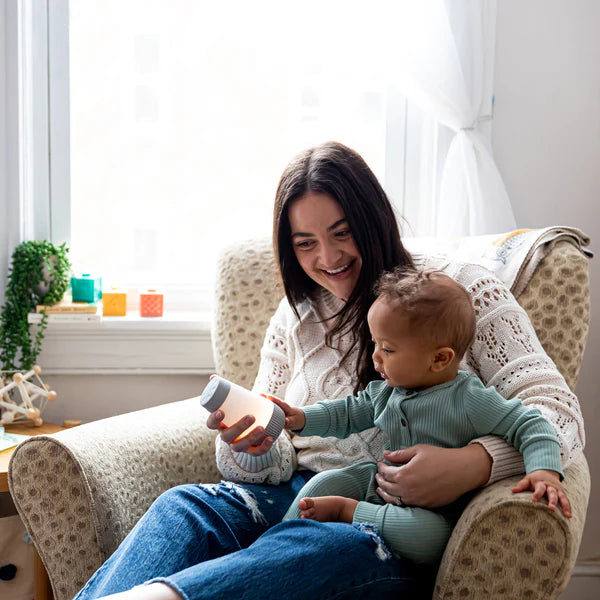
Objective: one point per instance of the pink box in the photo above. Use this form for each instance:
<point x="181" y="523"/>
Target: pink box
<point x="151" y="303"/>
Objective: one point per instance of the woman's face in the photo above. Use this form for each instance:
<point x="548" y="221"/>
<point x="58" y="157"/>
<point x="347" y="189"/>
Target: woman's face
<point x="323" y="243"/>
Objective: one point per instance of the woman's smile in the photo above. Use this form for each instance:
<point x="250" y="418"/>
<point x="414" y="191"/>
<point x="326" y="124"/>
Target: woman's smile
<point x="339" y="273"/>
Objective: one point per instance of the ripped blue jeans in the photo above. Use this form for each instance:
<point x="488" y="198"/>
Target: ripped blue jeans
<point x="217" y="541"/>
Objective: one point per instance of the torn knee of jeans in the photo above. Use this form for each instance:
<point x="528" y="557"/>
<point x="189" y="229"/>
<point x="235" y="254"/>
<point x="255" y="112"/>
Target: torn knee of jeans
<point x="210" y="488"/>
<point x="248" y="498"/>
<point x="370" y="529"/>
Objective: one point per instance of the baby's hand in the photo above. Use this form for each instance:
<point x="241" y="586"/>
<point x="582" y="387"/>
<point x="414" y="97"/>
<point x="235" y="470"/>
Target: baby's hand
<point x="546" y="483"/>
<point x="294" y="417"/>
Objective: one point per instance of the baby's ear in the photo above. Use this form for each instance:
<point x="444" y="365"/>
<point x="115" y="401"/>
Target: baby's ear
<point x="442" y="358"/>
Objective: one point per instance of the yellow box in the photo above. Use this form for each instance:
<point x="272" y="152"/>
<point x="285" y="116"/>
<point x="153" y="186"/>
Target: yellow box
<point x="114" y="303"/>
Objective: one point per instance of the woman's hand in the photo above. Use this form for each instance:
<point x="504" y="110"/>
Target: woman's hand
<point x="254" y="443"/>
<point x="430" y="476"/>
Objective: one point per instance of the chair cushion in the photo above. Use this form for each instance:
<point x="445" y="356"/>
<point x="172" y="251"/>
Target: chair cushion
<point x="248" y="291"/>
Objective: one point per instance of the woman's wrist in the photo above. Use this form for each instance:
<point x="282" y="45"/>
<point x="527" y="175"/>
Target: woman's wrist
<point x="479" y="464"/>
<point x="506" y="460"/>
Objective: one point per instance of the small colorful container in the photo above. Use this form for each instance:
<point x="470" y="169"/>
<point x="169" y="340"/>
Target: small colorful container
<point x="151" y="303"/>
<point x="114" y="303"/>
<point x="86" y="288"/>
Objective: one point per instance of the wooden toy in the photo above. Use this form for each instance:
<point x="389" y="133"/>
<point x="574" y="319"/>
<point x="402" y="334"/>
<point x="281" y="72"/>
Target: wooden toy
<point x="23" y="400"/>
<point x="114" y="303"/>
<point x="86" y="288"/>
<point x="151" y="303"/>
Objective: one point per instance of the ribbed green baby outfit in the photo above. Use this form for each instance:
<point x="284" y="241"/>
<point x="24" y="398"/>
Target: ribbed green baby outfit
<point x="448" y="415"/>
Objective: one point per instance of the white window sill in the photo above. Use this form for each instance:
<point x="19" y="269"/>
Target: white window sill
<point x="177" y="343"/>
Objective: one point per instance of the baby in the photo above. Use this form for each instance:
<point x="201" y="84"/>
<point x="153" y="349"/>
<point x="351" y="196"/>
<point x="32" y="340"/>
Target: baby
<point x="421" y="323"/>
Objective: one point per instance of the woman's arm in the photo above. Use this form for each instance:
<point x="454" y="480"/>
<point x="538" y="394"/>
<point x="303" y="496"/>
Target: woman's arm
<point x="507" y="354"/>
<point x="267" y="462"/>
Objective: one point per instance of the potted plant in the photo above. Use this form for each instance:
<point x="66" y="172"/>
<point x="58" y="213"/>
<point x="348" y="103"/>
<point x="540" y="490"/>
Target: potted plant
<point x="39" y="274"/>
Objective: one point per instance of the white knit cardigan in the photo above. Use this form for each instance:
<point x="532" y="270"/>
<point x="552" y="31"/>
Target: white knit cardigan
<point x="299" y="367"/>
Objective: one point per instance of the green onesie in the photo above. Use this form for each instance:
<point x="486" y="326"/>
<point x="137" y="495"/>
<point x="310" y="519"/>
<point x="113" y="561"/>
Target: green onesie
<point x="448" y="415"/>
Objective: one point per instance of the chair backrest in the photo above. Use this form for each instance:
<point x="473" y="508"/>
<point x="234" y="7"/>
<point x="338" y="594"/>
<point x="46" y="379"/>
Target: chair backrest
<point x="249" y="289"/>
<point x="557" y="300"/>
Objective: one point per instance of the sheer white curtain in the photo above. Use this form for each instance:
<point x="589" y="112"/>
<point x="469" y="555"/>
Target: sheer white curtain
<point x="443" y="58"/>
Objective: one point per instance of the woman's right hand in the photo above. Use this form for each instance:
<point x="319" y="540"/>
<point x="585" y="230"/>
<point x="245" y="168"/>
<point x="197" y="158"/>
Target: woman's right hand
<point x="430" y="476"/>
<point x="254" y="443"/>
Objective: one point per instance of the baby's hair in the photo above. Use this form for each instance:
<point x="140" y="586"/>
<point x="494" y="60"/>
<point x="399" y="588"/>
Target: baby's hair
<point x="436" y="306"/>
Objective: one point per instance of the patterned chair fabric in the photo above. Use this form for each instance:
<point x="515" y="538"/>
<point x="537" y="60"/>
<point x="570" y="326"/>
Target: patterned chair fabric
<point x="78" y="497"/>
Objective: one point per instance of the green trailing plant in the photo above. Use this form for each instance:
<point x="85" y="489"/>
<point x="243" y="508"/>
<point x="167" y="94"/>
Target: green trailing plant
<point x="39" y="274"/>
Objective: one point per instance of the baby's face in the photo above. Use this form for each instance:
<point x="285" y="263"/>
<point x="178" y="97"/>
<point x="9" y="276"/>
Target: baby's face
<point x="401" y="357"/>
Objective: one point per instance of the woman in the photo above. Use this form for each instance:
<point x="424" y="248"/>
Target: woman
<point x="334" y="233"/>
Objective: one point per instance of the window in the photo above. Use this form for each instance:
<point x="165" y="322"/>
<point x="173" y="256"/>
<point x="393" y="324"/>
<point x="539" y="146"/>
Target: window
<point x="148" y="133"/>
<point x="181" y="116"/>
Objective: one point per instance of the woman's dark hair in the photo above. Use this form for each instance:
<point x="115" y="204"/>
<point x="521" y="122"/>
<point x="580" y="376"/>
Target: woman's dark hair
<point x="341" y="173"/>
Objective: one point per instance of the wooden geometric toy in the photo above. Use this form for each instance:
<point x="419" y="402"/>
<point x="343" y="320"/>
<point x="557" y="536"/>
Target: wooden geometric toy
<point x="24" y="397"/>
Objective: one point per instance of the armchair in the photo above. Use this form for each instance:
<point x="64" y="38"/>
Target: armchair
<point x="80" y="491"/>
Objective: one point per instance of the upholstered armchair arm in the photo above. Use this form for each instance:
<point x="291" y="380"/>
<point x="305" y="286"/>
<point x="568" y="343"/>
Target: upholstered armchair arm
<point x="506" y="546"/>
<point x="80" y="491"/>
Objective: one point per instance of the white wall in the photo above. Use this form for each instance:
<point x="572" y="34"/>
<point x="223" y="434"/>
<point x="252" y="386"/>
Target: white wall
<point x="546" y="141"/>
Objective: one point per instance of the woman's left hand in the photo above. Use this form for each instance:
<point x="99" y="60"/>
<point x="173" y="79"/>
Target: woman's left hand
<point x="429" y="476"/>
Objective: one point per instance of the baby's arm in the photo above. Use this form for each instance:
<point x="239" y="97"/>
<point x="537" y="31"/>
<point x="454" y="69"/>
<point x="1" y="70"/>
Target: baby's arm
<point x="530" y="433"/>
<point x="339" y="417"/>
<point x="546" y="483"/>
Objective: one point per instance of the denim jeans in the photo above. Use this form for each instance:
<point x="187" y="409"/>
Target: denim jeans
<point x="217" y="541"/>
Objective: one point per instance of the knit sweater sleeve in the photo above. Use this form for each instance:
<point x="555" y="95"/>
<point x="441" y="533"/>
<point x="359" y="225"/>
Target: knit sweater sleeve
<point x="507" y="354"/>
<point x="279" y="463"/>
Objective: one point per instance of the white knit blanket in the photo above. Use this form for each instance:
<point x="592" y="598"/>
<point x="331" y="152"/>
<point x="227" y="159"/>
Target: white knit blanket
<point x="512" y="257"/>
